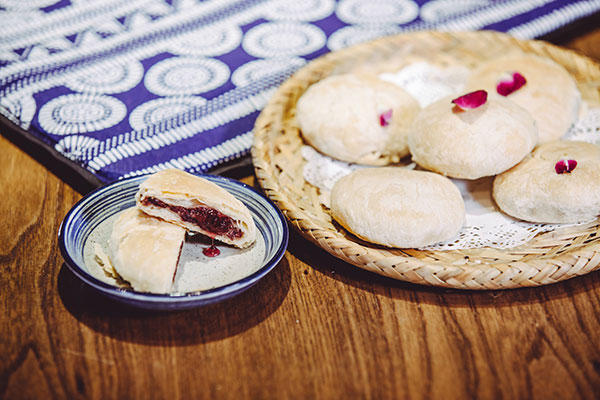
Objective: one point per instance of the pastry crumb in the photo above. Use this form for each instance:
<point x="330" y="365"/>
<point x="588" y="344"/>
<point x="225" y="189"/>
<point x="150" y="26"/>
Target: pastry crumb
<point x="104" y="261"/>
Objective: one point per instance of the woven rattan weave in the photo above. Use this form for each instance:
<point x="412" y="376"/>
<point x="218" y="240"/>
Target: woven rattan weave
<point x="548" y="258"/>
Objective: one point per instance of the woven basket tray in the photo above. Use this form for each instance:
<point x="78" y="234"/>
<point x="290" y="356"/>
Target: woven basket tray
<point x="548" y="258"/>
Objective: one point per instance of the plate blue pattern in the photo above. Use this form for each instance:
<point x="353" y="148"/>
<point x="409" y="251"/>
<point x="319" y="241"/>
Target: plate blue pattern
<point x="109" y="200"/>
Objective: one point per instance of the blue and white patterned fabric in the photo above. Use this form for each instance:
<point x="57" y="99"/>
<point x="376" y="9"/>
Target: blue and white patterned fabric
<point x="125" y="87"/>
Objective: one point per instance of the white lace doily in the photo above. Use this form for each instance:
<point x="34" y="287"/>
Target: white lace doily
<point x="428" y="83"/>
<point x="485" y="225"/>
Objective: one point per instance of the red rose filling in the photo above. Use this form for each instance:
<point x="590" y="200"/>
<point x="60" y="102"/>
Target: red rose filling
<point x="206" y="218"/>
<point x="211" y="251"/>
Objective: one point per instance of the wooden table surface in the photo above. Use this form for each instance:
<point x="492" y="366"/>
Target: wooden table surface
<point x="315" y="327"/>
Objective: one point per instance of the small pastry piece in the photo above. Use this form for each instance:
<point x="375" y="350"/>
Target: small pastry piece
<point x="471" y="144"/>
<point x="197" y="205"/>
<point x="548" y="92"/>
<point x="558" y="183"/>
<point x="357" y="118"/>
<point x="397" y="207"/>
<point x="145" y="251"/>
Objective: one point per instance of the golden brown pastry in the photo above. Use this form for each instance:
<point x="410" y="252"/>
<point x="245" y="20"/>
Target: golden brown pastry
<point x="145" y="251"/>
<point x="357" y="118"/>
<point x="197" y="205"/>
<point x="471" y="144"/>
<point x="397" y="207"/>
<point x="558" y="183"/>
<point x="550" y="94"/>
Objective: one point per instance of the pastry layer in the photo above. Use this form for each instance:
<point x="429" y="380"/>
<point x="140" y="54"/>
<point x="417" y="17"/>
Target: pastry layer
<point x="145" y="251"/>
<point x="197" y="205"/>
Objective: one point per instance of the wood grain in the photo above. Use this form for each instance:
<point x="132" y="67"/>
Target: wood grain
<point x="315" y="327"/>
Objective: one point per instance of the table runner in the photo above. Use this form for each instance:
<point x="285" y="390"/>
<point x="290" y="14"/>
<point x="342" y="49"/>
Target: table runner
<point x="123" y="88"/>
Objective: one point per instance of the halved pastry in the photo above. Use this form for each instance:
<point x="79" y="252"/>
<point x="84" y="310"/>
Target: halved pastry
<point x="145" y="251"/>
<point x="197" y="205"/>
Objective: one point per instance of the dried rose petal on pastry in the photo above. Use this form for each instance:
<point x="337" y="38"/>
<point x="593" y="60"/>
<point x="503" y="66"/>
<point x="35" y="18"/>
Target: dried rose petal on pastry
<point x="385" y="117"/>
<point x="197" y="205"/>
<point x="565" y="166"/>
<point x="471" y="100"/>
<point x="510" y="83"/>
<point x="145" y="251"/>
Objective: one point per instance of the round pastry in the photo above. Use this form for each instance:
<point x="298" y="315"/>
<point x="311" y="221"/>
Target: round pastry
<point x="558" y="183"/>
<point x="397" y="207"/>
<point x="549" y="92"/>
<point x="357" y="118"/>
<point x="471" y="144"/>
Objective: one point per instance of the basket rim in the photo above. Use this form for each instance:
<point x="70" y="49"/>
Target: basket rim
<point x="587" y="255"/>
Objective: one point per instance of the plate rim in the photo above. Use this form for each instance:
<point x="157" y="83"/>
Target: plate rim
<point x="197" y="297"/>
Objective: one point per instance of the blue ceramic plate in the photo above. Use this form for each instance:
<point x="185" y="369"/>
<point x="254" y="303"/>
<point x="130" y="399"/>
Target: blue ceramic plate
<point x="93" y="211"/>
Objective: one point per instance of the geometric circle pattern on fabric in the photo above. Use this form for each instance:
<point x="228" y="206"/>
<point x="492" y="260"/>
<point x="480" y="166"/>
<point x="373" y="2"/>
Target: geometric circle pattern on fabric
<point x="185" y="75"/>
<point x="351" y="35"/>
<point x="377" y="11"/>
<point x="293" y="10"/>
<point x="26" y="4"/>
<point x="73" y="146"/>
<point x="438" y="10"/>
<point x="21" y="108"/>
<point x="213" y="41"/>
<point x="283" y="39"/>
<point x="114" y="76"/>
<point x="158" y="110"/>
<point x="80" y="113"/>
<point x="258" y="69"/>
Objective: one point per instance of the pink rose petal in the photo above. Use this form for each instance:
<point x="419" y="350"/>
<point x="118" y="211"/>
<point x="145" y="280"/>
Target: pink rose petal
<point x="385" y="117"/>
<point x="471" y="100"/>
<point x="510" y="84"/>
<point x="565" y="166"/>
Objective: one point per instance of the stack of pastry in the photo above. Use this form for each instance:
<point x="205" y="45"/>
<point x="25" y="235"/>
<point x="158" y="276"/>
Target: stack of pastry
<point x="511" y="107"/>
<point x="146" y="240"/>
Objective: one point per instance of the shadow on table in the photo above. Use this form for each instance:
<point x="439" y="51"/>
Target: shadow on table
<point x="334" y="268"/>
<point x="176" y="328"/>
